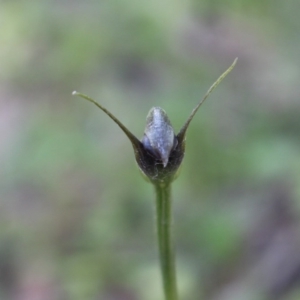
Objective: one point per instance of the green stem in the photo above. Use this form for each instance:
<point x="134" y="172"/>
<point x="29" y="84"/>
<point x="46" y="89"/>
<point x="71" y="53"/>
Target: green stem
<point x="165" y="245"/>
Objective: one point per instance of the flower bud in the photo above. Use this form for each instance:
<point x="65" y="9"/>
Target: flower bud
<point x="159" y="138"/>
<point x="160" y="152"/>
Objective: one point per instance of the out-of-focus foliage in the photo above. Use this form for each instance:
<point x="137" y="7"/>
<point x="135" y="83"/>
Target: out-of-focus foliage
<point x="76" y="217"/>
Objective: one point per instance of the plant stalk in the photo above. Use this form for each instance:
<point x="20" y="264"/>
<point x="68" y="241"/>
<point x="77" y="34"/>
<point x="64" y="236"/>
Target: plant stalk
<point x="165" y="243"/>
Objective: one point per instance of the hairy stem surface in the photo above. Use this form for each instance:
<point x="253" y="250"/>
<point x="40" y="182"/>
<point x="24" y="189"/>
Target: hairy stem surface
<point x="165" y="245"/>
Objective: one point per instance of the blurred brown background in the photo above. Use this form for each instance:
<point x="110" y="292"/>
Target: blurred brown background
<point x="76" y="217"/>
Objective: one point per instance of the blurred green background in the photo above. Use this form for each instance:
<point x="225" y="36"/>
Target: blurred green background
<point x="77" y="218"/>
